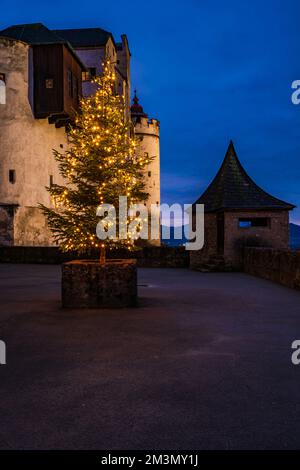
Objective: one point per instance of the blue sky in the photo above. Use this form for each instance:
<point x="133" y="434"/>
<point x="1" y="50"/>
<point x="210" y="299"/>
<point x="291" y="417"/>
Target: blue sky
<point x="210" y="72"/>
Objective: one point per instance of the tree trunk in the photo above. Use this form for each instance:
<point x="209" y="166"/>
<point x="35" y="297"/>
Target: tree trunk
<point x="102" y="255"/>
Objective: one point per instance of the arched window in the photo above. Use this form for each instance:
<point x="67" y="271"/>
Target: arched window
<point x="2" y="89"/>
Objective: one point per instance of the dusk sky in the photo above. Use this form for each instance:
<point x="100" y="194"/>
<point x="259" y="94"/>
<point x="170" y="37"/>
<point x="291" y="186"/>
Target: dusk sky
<point x="210" y="72"/>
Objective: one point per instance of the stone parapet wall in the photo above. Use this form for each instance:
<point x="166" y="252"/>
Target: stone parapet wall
<point x="150" y="257"/>
<point x="282" y="266"/>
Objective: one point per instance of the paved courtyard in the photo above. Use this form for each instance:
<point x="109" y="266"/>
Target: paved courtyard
<point x="203" y="363"/>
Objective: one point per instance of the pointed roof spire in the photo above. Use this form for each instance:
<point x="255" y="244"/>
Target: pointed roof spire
<point x="136" y="109"/>
<point x="232" y="188"/>
<point x="135" y="98"/>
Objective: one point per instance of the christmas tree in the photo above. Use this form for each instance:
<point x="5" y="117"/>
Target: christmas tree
<point x="100" y="165"/>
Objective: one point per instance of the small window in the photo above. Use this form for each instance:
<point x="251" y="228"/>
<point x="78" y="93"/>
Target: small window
<point x="89" y="74"/>
<point x="2" y="88"/>
<point x="51" y="181"/>
<point x="244" y="223"/>
<point x="70" y="83"/>
<point x="149" y="173"/>
<point x="49" y="83"/>
<point x="12" y="176"/>
<point x="254" y="222"/>
<point x="84" y="76"/>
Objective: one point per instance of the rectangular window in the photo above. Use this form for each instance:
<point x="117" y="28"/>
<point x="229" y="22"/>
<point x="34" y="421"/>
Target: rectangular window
<point x="12" y="176"/>
<point x="149" y="173"/>
<point x="49" y="83"/>
<point x="2" y="88"/>
<point x="89" y="74"/>
<point x="70" y="83"/>
<point x="254" y="222"/>
<point x="51" y="181"/>
<point x="85" y="76"/>
<point x="75" y="87"/>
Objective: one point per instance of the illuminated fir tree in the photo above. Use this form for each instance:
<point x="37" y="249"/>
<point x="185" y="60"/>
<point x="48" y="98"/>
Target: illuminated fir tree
<point x="100" y="165"/>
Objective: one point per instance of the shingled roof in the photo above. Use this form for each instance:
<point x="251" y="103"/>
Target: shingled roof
<point x="86" y="37"/>
<point x="232" y="189"/>
<point x="36" y="34"/>
<point x="33" y="34"/>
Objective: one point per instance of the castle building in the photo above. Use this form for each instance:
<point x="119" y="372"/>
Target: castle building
<point x="147" y="133"/>
<point x="92" y="45"/>
<point x="238" y="213"/>
<point x="43" y="75"/>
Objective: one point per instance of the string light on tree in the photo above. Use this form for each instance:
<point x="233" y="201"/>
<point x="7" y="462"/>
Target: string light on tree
<point x="99" y="166"/>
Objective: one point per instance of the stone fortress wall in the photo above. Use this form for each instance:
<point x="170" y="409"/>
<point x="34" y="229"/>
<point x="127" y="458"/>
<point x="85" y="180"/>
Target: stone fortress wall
<point x="26" y="158"/>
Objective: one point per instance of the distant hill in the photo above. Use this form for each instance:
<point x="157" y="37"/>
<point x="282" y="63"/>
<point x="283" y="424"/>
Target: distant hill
<point x="295" y="236"/>
<point x="174" y="232"/>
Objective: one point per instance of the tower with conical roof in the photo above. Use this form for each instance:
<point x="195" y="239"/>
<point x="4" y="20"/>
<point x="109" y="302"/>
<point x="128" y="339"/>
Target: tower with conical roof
<point x="238" y="213"/>
<point x="147" y="133"/>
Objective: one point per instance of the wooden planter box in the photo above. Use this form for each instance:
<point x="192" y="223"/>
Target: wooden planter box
<point x="87" y="284"/>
